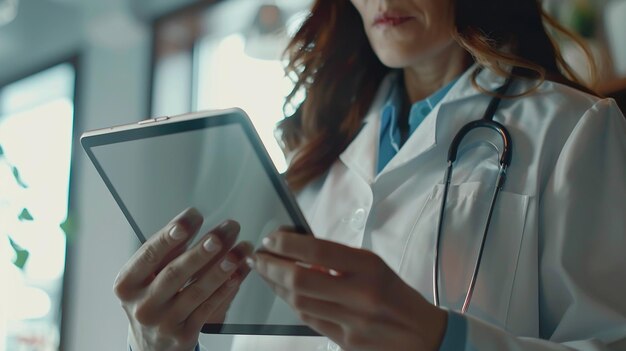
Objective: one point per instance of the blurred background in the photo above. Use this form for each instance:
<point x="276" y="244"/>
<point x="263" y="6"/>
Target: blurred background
<point x="67" y="66"/>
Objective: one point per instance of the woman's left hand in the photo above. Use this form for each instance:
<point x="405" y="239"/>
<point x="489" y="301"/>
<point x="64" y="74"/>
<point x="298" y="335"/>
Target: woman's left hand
<point x="349" y="295"/>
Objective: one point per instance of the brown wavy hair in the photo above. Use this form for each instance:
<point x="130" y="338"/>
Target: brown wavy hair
<point x="332" y="63"/>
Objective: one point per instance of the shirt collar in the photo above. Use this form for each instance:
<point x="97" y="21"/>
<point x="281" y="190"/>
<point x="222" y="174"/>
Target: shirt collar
<point x="419" y="110"/>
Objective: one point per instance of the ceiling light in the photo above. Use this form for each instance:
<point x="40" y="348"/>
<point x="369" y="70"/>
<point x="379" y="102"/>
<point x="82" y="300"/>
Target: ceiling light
<point x="8" y="11"/>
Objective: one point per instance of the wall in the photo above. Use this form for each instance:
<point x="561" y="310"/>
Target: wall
<point x="113" y="87"/>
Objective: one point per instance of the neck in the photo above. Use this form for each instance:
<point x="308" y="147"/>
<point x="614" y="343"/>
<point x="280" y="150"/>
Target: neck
<point x="431" y="74"/>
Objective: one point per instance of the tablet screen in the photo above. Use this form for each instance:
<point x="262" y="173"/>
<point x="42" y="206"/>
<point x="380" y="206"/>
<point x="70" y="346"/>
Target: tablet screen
<point x="217" y="165"/>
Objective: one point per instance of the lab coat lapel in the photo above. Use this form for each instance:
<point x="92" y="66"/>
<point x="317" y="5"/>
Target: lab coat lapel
<point x="464" y="103"/>
<point x="361" y="155"/>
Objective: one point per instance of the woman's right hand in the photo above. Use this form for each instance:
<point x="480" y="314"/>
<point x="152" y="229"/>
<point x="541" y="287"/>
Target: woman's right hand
<point x="169" y="292"/>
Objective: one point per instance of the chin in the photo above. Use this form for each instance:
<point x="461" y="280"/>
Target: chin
<point x="393" y="60"/>
<point x="403" y="56"/>
<point x="399" y="55"/>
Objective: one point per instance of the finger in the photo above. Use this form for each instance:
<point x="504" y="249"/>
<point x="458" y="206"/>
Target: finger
<point x="210" y="281"/>
<point x="210" y="307"/>
<point x="348" y="338"/>
<point x="178" y="272"/>
<point x="287" y="228"/>
<point x="325" y="310"/>
<point x="307" y="248"/>
<point x="331" y="330"/>
<point x="214" y="308"/>
<point x="219" y="315"/>
<point x="331" y="320"/>
<point x="146" y="261"/>
<point x="238" y="278"/>
<point x="304" y="281"/>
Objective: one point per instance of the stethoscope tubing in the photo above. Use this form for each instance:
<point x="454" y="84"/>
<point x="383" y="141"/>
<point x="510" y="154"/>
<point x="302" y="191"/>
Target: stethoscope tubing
<point x="504" y="162"/>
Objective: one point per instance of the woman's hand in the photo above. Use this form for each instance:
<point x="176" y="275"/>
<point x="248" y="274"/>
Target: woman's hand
<point x="169" y="293"/>
<point x="349" y="295"/>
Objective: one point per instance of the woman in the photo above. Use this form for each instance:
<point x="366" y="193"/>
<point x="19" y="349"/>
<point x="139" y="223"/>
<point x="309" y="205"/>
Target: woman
<point x="388" y="84"/>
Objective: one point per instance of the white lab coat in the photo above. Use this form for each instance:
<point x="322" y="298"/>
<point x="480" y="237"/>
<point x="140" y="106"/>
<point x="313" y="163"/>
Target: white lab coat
<point x="553" y="274"/>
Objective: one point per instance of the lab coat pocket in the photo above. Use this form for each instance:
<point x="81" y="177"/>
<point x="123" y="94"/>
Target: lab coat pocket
<point x="464" y="222"/>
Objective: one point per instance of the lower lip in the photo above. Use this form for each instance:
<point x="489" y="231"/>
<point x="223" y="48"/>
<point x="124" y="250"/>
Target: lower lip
<point x="392" y="22"/>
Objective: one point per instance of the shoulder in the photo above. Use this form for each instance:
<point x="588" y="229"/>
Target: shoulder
<point x="563" y="122"/>
<point x="548" y="101"/>
<point x="561" y="107"/>
<point x="556" y="96"/>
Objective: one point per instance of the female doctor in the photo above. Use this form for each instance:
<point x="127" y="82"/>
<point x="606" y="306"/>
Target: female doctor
<point x="388" y="85"/>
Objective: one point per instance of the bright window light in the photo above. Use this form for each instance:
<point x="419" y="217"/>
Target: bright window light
<point x="36" y="127"/>
<point x="235" y="79"/>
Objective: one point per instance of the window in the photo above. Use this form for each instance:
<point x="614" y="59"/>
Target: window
<point x="227" y="54"/>
<point x="36" y="128"/>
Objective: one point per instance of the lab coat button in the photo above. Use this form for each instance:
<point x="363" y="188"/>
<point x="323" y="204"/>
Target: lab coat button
<point x="358" y="219"/>
<point x="333" y="347"/>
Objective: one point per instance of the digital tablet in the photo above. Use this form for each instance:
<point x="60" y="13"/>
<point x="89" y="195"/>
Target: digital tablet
<point x="213" y="161"/>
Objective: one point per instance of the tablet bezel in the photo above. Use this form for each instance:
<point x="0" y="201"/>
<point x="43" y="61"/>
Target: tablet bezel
<point x="161" y="126"/>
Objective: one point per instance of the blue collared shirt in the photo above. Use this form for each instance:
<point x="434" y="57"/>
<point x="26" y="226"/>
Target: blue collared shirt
<point x="455" y="336"/>
<point x="390" y="135"/>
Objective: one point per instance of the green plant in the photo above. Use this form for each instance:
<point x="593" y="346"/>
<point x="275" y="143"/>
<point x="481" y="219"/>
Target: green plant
<point x="21" y="254"/>
<point x="583" y="18"/>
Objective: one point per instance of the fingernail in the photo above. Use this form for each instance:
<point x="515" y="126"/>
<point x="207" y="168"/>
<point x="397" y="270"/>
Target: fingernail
<point x="268" y="242"/>
<point x="178" y="232"/>
<point x="194" y="217"/>
<point x="227" y="265"/>
<point x="190" y="216"/>
<point x="232" y="283"/>
<point x="251" y="262"/>
<point x="228" y="227"/>
<point x="212" y="244"/>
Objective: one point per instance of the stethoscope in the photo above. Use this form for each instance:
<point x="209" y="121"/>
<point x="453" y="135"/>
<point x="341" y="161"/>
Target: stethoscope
<point x="505" y="160"/>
